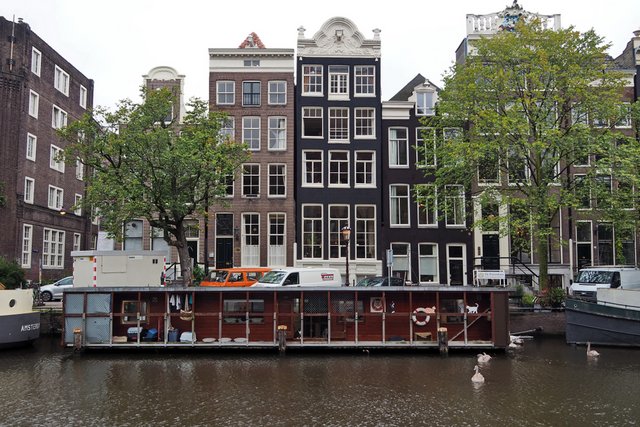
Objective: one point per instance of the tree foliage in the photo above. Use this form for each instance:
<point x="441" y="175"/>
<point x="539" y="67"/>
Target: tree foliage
<point x="539" y="110"/>
<point x="11" y="275"/>
<point x="145" y="163"/>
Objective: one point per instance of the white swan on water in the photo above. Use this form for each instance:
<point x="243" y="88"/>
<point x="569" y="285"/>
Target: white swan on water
<point x="591" y="353"/>
<point x="483" y="358"/>
<point x="477" y="378"/>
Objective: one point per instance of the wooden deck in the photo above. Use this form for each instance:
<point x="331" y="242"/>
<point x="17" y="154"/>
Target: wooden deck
<point x="340" y="318"/>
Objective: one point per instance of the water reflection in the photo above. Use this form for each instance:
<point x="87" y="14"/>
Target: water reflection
<point x="545" y="383"/>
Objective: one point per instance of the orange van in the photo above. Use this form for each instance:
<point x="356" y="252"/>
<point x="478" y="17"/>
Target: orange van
<point x="235" y="277"/>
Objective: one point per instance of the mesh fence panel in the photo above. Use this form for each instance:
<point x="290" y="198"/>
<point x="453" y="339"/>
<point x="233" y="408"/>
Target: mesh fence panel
<point x="315" y="303"/>
<point x="74" y="304"/>
<point x="70" y="324"/>
<point x="98" y="330"/>
<point x="98" y="303"/>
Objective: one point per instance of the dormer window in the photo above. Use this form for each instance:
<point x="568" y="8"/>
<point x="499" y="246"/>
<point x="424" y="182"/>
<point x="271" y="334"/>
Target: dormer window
<point x="425" y="103"/>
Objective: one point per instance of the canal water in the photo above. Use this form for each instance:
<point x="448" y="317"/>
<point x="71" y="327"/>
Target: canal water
<point x="545" y="383"/>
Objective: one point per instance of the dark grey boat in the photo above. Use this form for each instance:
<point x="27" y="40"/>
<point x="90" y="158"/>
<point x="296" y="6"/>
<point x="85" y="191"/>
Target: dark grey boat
<point x="19" y="323"/>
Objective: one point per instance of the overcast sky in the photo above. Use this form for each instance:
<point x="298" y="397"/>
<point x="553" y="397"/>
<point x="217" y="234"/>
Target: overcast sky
<point x="115" y="42"/>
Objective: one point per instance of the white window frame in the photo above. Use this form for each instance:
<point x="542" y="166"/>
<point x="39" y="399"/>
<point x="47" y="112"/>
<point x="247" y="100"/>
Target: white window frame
<point x="396" y="146"/>
<point x="34" y="104"/>
<point x="36" y="61"/>
<point x="228" y="128"/>
<point x="27" y="245"/>
<point x="251" y="133"/>
<point x="251" y="176"/>
<point x="338" y="82"/>
<point x="316" y="241"/>
<point x="56" y="158"/>
<point x="53" y="248"/>
<point x="340" y="164"/>
<point x="401" y="258"/>
<point x="277" y="133"/>
<point x="277" y="239"/>
<point x="365" y="233"/>
<point x="312" y="80"/>
<point x="399" y="205"/>
<point x="281" y="174"/>
<point x="79" y="170"/>
<point x="55" y="198"/>
<point x="339" y="125"/>
<point x="58" y="117"/>
<point x="223" y="92"/>
<point x="625" y="121"/>
<point x="307" y="115"/>
<point x="249" y="249"/>
<point x="368" y="169"/>
<point x="77" y="242"/>
<point x="423" y="212"/>
<point x="313" y="163"/>
<point x="277" y="92"/>
<point x="587" y="243"/>
<point x="364" y="123"/>
<point x="336" y="223"/>
<point x="459" y="200"/>
<point x="436" y="278"/>
<point x="77" y="201"/>
<point x="32" y="146"/>
<point x="29" y="189"/>
<point x="61" y="80"/>
<point x="364" y="80"/>
<point x="83" y="97"/>
<point x="421" y="148"/>
<point x="423" y="106"/>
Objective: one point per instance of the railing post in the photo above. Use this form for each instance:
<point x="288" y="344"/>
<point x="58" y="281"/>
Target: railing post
<point x="443" y="341"/>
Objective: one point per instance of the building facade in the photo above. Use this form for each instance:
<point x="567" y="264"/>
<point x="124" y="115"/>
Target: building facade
<point x="40" y="91"/>
<point x="338" y="149"/>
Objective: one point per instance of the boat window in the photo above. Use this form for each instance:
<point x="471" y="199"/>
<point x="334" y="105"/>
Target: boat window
<point x="594" y="276"/>
<point x="344" y="309"/>
<point x="235" y="310"/>
<point x="131" y="310"/>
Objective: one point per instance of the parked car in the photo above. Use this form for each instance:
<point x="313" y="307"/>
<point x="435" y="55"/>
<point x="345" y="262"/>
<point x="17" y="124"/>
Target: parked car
<point x="55" y="290"/>
<point x="380" y="281"/>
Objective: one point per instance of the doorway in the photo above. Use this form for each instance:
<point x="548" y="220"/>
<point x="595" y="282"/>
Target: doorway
<point x="456" y="261"/>
<point x="490" y="252"/>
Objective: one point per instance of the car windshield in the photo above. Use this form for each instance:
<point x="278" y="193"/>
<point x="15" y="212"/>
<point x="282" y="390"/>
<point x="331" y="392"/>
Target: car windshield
<point x="273" y="277"/>
<point x="592" y="277"/>
<point x="218" y="276"/>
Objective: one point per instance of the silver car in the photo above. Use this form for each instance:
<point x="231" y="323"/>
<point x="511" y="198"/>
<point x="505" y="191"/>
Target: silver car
<point x="55" y="290"/>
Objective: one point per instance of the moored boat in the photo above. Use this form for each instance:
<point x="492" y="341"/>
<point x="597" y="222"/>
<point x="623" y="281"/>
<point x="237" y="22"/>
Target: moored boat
<point x="19" y="323"/>
<point x="613" y="319"/>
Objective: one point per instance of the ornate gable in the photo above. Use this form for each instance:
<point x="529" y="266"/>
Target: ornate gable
<point x="339" y="37"/>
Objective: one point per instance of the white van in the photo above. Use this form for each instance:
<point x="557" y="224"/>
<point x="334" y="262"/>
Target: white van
<point x="591" y="278"/>
<point x="300" y="277"/>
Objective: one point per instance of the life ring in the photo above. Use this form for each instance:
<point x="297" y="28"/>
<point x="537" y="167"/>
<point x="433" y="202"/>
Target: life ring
<point x="414" y="317"/>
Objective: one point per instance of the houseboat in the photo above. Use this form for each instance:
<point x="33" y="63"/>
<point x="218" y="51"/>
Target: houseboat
<point x="19" y="322"/>
<point x="613" y="319"/>
<point x="342" y="317"/>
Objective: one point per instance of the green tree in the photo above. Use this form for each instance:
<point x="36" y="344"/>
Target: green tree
<point x="144" y="163"/>
<point x="11" y="275"/>
<point x="536" y="106"/>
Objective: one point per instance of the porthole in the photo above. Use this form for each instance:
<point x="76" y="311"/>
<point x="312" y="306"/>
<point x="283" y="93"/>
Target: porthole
<point x="12" y="303"/>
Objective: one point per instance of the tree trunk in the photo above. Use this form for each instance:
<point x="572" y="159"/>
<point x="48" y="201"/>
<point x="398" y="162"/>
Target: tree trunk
<point x="543" y="259"/>
<point x="183" y="252"/>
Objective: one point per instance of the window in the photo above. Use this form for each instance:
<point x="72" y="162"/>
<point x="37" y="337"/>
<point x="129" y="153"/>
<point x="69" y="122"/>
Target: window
<point x="365" y="80"/>
<point x="77" y="204"/>
<point x="228" y="129"/>
<point x="277" y="133"/>
<point x="605" y="244"/>
<point x="425" y="103"/>
<point x="251" y="180"/>
<point x="489" y="168"/>
<point x="61" y="80"/>
<point x="425" y="147"/>
<point x="83" y="96"/>
<point x="277" y="180"/>
<point x="312" y="80"/>
<point x="312" y="231"/>
<point x="52" y="248"/>
<point x="338" y="218"/>
<point x="365" y="232"/>
<point x="516" y="167"/>
<point x="454" y="205"/>
<point x="399" y="204"/>
<point x="311" y="122"/>
<point x="235" y="310"/>
<point x="59" y="118"/>
<point x="55" y="198"/>
<point x="27" y="244"/>
<point x="250" y="247"/>
<point x="225" y="92"/>
<point x="365" y="169"/>
<point x="34" y="102"/>
<point x="251" y="132"/>
<point x="398" y="147"/>
<point x="579" y="115"/>
<point x="229" y="181"/>
<point x="338" y="168"/>
<point x="79" y="170"/>
<point x="427" y="205"/>
<point x="428" y="263"/>
<point x="401" y="265"/>
<point x="32" y="145"/>
<point x="251" y="94"/>
<point x="134" y="312"/>
<point x="36" y="61"/>
<point x="338" y="82"/>
<point x="312" y="168"/>
<point x="278" y="92"/>
<point x="365" y="122"/>
<point x="603" y="186"/>
<point x="133" y="235"/>
<point x="584" y="243"/>
<point x="583" y="193"/>
<point x="338" y="124"/>
<point x="29" y="185"/>
<point x="56" y="158"/>
<point x="624" y="120"/>
<point x="626" y="239"/>
<point x="76" y="241"/>
<point x="276" y="251"/>
<point x="251" y="62"/>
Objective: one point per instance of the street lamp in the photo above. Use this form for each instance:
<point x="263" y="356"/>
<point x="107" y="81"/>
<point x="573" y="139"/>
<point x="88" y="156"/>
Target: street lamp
<point x="346" y="234"/>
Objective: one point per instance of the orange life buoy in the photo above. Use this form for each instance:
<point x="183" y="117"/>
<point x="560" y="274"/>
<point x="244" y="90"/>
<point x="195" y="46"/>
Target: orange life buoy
<point x="414" y="317"/>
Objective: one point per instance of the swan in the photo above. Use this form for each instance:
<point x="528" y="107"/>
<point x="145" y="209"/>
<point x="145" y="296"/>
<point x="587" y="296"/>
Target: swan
<point x="591" y="353"/>
<point x="477" y="377"/>
<point x="483" y="358"/>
